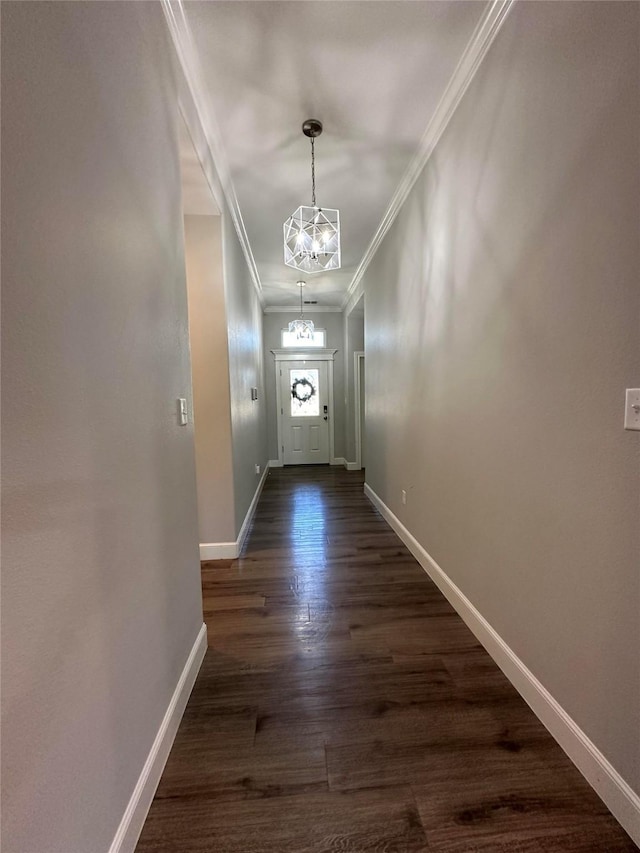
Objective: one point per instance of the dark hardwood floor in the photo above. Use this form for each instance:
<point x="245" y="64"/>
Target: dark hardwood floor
<point x="344" y="706"/>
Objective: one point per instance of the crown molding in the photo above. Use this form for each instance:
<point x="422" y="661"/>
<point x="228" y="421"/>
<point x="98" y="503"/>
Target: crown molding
<point x="474" y="53"/>
<point x="308" y="309"/>
<point x="354" y="298"/>
<point x="187" y="55"/>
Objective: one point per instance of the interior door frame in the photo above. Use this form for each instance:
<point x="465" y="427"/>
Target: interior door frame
<point x="284" y="355"/>
<point x="358" y="358"/>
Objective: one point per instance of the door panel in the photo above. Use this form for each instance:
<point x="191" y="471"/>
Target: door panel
<point x="305" y="412"/>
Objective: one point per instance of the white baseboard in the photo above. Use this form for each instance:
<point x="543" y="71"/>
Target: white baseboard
<point x="338" y="460"/>
<point x="218" y="550"/>
<point x="275" y="463"/>
<point x="231" y="550"/>
<point x="351" y="466"/>
<point x="618" y="796"/>
<point x="128" y="833"/>
<point x="252" y="508"/>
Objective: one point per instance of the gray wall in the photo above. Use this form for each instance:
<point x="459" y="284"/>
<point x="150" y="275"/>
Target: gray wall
<point x="502" y="331"/>
<point x="243" y="334"/>
<point x="246" y="370"/>
<point x="210" y="377"/>
<point x="100" y="578"/>
<point x="333" y="323"/>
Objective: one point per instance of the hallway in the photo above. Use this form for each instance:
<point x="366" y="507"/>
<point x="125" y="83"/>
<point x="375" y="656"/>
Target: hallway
<point x="344" y="706"/>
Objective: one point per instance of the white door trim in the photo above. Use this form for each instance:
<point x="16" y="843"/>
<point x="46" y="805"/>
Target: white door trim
<point x="358" y="356"/>
<point x="327" y="355"/>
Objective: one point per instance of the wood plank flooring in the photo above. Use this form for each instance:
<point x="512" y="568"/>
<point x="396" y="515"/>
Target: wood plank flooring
<point x="344" y="706"/>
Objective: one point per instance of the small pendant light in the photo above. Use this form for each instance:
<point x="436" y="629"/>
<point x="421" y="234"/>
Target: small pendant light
<point x="302" y="328"/>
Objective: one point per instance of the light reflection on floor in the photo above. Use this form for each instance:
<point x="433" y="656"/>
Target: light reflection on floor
<point x="308" y="537"/>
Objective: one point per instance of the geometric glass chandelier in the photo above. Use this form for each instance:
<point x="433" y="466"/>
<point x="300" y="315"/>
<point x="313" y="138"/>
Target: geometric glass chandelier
<point x="312" y="234"/>
<point x="303" y="329"/>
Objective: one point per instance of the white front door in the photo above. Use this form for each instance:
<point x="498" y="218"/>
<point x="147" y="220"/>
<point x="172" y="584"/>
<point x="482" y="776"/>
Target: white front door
<point x="305" y="412"/>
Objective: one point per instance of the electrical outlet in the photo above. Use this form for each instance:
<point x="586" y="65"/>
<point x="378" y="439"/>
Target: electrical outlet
<point x="632" y="409"/>
<point x="404" y="498"/>
<point x="257" y="469"/>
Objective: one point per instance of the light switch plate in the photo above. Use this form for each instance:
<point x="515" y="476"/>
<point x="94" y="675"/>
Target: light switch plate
<point x="183" y="414"/>
<point x="632" y="409"/>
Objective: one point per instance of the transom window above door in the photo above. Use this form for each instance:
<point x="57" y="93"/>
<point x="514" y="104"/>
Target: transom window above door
<point x="317" y="339"/>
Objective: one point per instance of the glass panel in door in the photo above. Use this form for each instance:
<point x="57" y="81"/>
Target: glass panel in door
<point x="305" y="393"/>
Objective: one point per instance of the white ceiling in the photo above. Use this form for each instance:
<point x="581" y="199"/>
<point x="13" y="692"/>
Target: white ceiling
<point x="372" y="72"/>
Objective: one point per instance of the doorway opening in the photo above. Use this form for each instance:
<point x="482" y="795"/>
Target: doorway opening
<point x="360" y="435"/>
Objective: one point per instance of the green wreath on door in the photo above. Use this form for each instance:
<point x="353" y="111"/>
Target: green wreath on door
<point x="302" y="390"/>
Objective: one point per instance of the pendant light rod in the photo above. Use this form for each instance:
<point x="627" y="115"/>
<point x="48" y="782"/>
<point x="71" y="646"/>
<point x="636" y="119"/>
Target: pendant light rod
<point x="312" y="128"/>
<point x="313" y="172"/>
